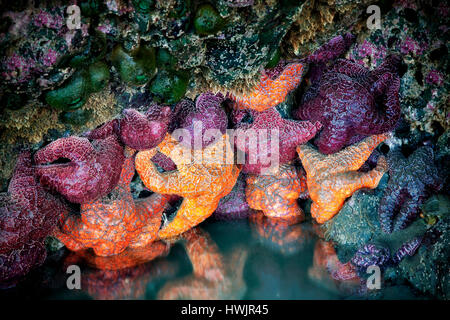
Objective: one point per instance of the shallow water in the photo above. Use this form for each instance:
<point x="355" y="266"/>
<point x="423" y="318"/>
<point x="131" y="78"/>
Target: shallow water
<point x="237" y="263"/>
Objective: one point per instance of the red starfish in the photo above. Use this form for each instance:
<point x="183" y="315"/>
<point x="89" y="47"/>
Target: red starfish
<point x="291" y="134"/>
<point x="92" y="172"/>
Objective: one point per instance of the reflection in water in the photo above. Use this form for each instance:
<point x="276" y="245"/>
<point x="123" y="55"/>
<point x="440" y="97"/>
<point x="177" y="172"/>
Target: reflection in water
<point x="123" y="276"/>
<point x="242" y="259"/>
<point x="284" y="235"/>
<point x="332" y="274"/>
<point x="214" y="276"/>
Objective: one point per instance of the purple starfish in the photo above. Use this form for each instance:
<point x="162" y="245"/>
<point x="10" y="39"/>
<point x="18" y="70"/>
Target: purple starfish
<point x="145" y="131"/>
<point x="137" y="130"/>
<point x="411" y="181"/>
<point x="28" y="214"/>
<point x="261" y="126"/>
<point x="234" y="205"/>
<point x="351" y="102"/>
<point x="92" y="170"/>
<point x="207" y="113"/>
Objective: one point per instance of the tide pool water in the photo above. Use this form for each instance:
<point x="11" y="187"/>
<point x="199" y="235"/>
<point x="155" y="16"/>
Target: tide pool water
<point x="224" y="260"/>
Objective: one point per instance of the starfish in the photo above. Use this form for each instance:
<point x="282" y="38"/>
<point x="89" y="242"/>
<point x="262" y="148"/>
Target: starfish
<point x="201" y="179"/>
<point x="233" y="205"/>
<point x="137" y="130"/>
<point x="411" y="182"/>
<point x="214" y="276"/>
<point x="352" y="102"/>
<point x="276" y="194"/>
<point x="255" y="138"/>
<point x="92" y="171"/>
<point x="284" y="235"/>
<point x="206" y="114"/>
<point x="111" y="224"/>
<point x="333" y="178"/>
<point x="273" y="87"/>
<point x="28" y="214"/>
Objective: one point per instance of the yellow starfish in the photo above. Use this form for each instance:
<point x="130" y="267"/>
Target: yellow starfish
<point x="333" y="178"/>
<point x="202" y="178"/>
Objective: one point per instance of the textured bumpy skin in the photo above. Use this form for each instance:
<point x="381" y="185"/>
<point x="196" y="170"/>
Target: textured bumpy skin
<point x="214" y="276"/>
<point x="351" y="102"/>
<point x="209" y="114"/>
<point x="110" y="224"/>
<point x="137" y="130"/>
<point x="144" y="131"/>
<point x="202" y="182"/>
<point x="276" y="194"/>
<point x="274" y="86"/>
<point x="93" y="170"/>
<point x="411" y="182"/>
<point x="291" y="133"/>
<point x="333" y="178"/>
<point x="28" y="214"/>
<point x="233" y="205"/>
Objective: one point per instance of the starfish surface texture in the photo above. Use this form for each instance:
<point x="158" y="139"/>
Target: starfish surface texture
<point x="333" y="178"/>
<point x="110" y="224"/>
<point x="202" y="178"/>
<point x="411" y="181"/>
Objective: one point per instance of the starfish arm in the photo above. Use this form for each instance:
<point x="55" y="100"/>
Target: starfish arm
<point x="379" y="121"/>
<point x="353" y="157"/>
<point x="171" y="148"/>
<point x="72" y="228"/>
<point x="389" y="65"/>
<point x="165" y="183"/>
<point x="351" y="69"/>
<point x="389" y="202"/>
<point x="127" y="173"/>
<point x="311" y="158"/>
<point x="332" y="49"/>
<point x="285" y="209"/>
<point x="408" y="212"/>
<point x="189" y="215"/>
<point x="332" y="138"/>
<point x="324" y="213"/>
<point x="310" y="108"/>
<point x="73" y="148"/>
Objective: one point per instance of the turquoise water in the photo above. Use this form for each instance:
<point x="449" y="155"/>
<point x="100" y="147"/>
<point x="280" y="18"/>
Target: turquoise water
<point x="250" y="267"/>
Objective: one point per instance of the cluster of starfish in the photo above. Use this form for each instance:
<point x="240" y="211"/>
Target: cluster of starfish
<point x="28" y="214"/>
<point x="350" y="108"/>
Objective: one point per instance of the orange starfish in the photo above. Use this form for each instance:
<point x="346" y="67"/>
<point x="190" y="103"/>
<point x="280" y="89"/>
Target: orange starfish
<point x="333" y="178"/>
<point x="272" y="89"/>
<point x="202" y="178"/>
<point x="214" y="276"/>
<point x="114" y="222"/>
<point x="276" y="194"/>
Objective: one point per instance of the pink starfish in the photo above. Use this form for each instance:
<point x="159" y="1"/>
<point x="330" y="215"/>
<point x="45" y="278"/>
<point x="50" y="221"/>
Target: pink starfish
<point x="291" y="134"/>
